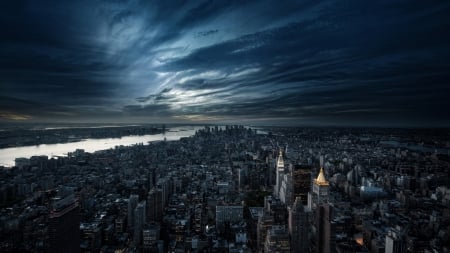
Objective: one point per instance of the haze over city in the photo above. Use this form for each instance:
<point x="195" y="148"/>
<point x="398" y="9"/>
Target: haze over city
<point x="326" y="63"/>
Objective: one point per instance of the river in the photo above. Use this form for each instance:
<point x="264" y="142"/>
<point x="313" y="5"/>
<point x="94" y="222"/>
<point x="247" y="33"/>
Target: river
<point x="416" y="147"/>
<point x="8" y="155"/>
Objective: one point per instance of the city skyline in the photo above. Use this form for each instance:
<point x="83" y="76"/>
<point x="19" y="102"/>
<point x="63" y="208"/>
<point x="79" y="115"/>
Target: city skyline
<point x="307" y="63"/>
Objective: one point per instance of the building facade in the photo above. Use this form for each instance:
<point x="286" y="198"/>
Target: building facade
<point x="319" y="194"/>
<point x="228" y="214"/>
<point x="277" y="240"/>
<point x="64" y="226"/>
<point x="298" y="223"/>
<point x="279" y="173"/>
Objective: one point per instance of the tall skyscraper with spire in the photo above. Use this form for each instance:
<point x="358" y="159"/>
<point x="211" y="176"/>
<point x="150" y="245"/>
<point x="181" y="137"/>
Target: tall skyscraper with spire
<point x="322" y="225"/>
<point x="319" y="193"/>
<point x="279" y="173"/>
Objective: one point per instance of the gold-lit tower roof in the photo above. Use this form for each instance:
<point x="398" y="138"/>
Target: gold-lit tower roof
<point x="280" y="162"/>
<point x="320" y="180"/>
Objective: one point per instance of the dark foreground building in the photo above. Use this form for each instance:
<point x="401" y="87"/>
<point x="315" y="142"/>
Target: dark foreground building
<point x="64" y="226"/>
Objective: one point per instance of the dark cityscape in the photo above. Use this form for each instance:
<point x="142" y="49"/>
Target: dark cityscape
<point x="236" y="189"/>
<point x="138" y="126"/>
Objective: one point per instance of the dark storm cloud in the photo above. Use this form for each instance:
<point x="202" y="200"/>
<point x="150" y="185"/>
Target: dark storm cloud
<point x="148" y="110"/>
<point x="327" y="62"/>
<point x="152" y="98"/>
<point x="45" y="54"/>
<point x="388" y="65"/>
<point x="207" y="33"/>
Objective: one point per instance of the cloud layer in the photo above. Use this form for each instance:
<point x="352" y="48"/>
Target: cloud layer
<point x="301" y="63"/>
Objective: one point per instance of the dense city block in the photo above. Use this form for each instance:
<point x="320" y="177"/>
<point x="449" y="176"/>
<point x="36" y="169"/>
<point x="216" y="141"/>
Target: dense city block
<point x="236" y="189"/>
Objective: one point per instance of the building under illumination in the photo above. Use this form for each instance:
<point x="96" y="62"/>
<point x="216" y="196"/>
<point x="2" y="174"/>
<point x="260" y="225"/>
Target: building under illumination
<point x="279" y="173"/>
<point x="319" y="194"/>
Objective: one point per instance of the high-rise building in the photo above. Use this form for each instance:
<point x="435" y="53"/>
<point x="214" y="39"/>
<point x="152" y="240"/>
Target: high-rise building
<point x="299" y="227"/>
<point x="265" y="222"/>
<point x="91" y="237"/>
<point x="139" y="221"/>
<point x="119" y="225"/>
<point x="150" y="237"/>
<point x="132" y="203"/>
<point x="165" y="185"/>
<point x="301" y="179"/>
<point x="277" y="240"/>
<point x="154" y="205"/>
<point x="64" y="226"/>
<point x="319" y="193"/>
<point x="276" y="208"/>
<point x="279" y="173"/>
<point x="322" y="225"/>
<point x="286" y="189"/>
<point x="230" y="214"/>
<point x="325" y="233"/>
<point x="395" y="242"/>
<point x="295" y="182"/>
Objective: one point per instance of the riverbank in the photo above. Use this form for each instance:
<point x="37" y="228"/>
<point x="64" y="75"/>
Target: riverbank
<point x="25" y="136"/>
<point x="8" y="155"/>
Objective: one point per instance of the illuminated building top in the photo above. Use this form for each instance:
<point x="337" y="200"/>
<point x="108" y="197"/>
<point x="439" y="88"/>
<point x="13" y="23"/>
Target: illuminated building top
<point x="320" y="180"/>
<point x="280" y="162"/>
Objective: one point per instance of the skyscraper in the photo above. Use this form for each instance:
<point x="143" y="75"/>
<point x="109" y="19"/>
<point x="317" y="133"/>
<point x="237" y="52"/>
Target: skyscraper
<point x="64" y="226"/>
<point x="232" y="214"/>
<point x="395" y="243"/>
<point x="325" y="233"/>
<point x="132" y="203"/>
<point x="322" y="225"/>
<point x="279" y="173"/>
<point x="150" y="237"/>
<point x="139" y="221"/>
<point x="286" y="192"/>
<point x="319" y="193"/>
<point x="298" y="227"/>
<point x="265" y="222"/>
<point x="154" y="205"/>
<point x="301" y="179"/>
<point x="277" y="240"/>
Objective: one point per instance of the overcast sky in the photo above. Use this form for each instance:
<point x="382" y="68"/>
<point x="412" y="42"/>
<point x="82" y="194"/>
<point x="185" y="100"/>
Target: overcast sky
<point x="373" y="63"/>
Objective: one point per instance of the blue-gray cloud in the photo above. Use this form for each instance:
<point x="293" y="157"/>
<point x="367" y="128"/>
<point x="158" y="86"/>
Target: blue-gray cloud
<point x="306" y="62"/>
